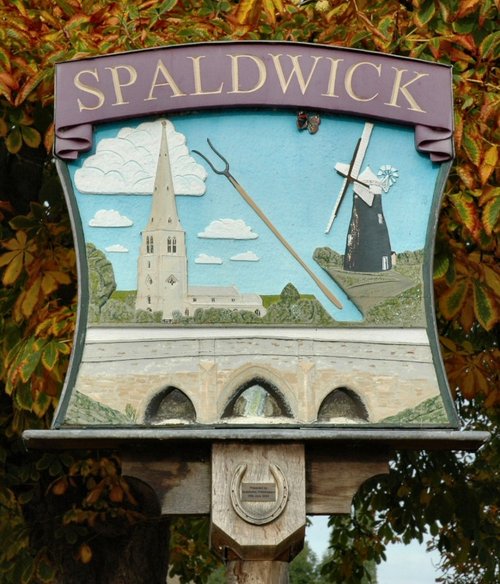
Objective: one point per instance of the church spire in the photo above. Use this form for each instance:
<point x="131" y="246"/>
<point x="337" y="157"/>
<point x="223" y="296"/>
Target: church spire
<point x="164" y="209"/>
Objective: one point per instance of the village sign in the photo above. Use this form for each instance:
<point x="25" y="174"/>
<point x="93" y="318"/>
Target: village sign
<point x="254" y="224"/>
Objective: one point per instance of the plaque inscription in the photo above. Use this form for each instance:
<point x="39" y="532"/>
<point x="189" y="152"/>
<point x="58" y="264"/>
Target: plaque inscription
<point x="258" y="492"/>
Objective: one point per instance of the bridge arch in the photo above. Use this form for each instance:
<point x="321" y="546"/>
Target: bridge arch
<point x="343" y="403"/>
<point x="256" y="392"/>
<point x="169" y="405"/>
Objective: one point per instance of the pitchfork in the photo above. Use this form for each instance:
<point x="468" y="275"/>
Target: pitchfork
<point x="248" y="199"/>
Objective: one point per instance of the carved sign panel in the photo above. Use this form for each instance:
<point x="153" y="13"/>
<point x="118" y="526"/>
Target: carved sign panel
<point x="255" y="227"/>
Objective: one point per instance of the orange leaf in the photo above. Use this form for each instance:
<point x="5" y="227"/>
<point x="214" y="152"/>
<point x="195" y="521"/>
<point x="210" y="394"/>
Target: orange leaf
<point x="48" y="283"/>
<point x="485" y="306"/>
<point x="48" y="139"/>
<point x="459" y="129"/>
<point x="493" y="399"/>
<point x="116" y="494"/>
<point x="480" y="381"/>
<point x="467" y="7"/>
<point x="466" y="41"/>
<point x="467" y="317"/>
<point x="85" y="553"/>
<point x="29" y="86"/>
<point x="452" y="301"/>
<point x="490" y="160"/>
<point x="14" y="141"/>
<point x="94" y="495"/>
<point x="8" y="80"/>
<point x="7" y="257"/>
<point x="19" y="4"/>
<point x="492" y="278"/>
<point x="491" y="215"/>
<point x="472" y="145"/>
<point x="4" y="128"/>
<point x="60" y="486"/>
<point x="489" y="193"/>
<point x="270" y="10"/>
<point x="467" y="175"/>
<point x="467" y="385"/>
<point x="247" y="11"/>
<point x="30" y="298"/>
<point x="18" y="242"/>
<point x="14" y="267"/>
<point x="458" y="55"/>
<point x="468" y="212"/>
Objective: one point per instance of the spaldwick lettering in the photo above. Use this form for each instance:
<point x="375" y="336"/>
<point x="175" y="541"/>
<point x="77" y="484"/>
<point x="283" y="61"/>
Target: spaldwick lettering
<point x="253" y="74"/>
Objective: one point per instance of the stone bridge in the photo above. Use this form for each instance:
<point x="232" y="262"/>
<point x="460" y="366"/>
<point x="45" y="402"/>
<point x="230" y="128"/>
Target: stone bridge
<point x="379" y="372"/>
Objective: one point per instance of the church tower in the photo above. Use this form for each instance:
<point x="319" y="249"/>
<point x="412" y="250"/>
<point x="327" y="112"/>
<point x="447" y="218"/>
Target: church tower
<point x="162" y="265"/>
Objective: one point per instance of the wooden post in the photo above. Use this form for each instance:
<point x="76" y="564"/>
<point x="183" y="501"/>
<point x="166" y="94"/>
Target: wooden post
<point x="258" y="509"/>
<point x="257" y="572"/>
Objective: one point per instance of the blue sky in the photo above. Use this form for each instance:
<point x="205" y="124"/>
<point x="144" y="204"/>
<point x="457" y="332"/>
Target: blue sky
<point x="291" y="176"/>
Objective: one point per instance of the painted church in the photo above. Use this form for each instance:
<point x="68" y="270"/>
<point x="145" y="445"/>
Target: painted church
<point x="162" y="274"/>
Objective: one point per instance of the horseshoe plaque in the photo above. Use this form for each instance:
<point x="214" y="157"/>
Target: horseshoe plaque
<point x="259" y="503"/>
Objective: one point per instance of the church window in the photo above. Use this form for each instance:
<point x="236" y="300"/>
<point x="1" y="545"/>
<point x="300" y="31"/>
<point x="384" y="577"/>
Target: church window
<point x="174" y="245"/>
<point x="233" y="299"/>
<point x="149" y="280"/>
<point x="149" y="244"/>
<point x="213" y="299"/>
<point x="385" y="263"/>
<point x="172" y="280"/>
<point x="194" y="299"/>
<point x="169" y="244"/>
<point x="149" y="299"/>
<point x="149" y="264"/>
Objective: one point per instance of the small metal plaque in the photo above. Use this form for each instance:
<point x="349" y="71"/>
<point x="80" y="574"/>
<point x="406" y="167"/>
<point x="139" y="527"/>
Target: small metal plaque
<point x="258" y="492"/>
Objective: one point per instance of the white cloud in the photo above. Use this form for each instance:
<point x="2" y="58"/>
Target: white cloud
<point x="228" y="229"/>
<point x="247" y="256"/>
<point x="116" y="248"/>
<point x="203" y="258"/>
<point x="127" y="163"/>
<point x="109" y="218"/>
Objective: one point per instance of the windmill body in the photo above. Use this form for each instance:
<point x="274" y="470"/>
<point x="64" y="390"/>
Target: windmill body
<point x="368" y="246"/>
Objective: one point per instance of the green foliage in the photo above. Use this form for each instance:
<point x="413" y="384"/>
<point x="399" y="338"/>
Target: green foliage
<point x="304" y="568"/>
<point x="190" y="556"/>
<point x="455" y="497"/>
<point x="450" y="496"/>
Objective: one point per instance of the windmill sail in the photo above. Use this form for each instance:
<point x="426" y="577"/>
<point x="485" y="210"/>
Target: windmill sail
<point x="352" y="171"/>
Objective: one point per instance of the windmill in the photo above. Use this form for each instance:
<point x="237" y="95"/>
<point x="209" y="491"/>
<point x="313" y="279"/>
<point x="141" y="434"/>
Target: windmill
<point x="368" y="247"/>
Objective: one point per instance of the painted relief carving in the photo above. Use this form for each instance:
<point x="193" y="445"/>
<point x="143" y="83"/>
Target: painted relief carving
<point x="357" y="275"/>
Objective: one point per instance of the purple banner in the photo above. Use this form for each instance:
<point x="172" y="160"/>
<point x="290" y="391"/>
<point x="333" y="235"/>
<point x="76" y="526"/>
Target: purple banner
<point x="254" y="74"/>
